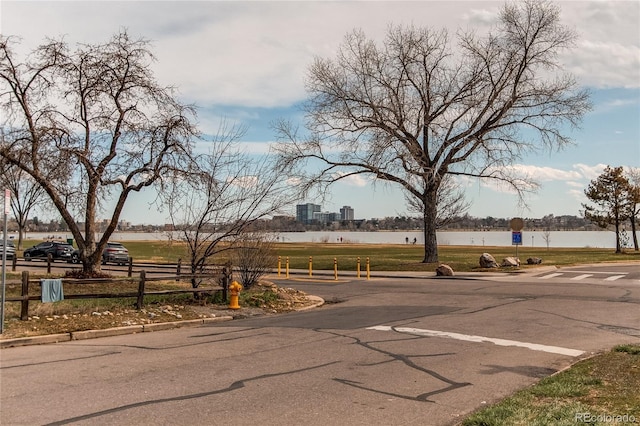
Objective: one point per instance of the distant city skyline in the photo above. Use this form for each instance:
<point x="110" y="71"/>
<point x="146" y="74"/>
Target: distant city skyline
<point x="246" y="62"/>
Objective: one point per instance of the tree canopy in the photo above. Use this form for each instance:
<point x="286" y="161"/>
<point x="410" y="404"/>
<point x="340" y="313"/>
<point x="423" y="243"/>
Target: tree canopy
<point x="615" y="201"/>
<point x="413" y="110"/>
<point x="90" y="125"/>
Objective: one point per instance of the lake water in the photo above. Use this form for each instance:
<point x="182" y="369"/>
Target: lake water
<point x="596" y="239"/>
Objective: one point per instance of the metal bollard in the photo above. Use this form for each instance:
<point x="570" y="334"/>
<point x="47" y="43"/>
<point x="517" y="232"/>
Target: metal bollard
<point x="279" y="264"/>
<point x="287" y="267"/>
<point x="368" y="269"/>
<point x="358" y="267"/>
<point x="310" y="266"/>
<point x="335" y="269"/>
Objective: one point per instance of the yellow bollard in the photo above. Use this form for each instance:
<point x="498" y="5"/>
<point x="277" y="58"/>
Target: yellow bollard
<point x="310" y="266"/>
<point x="358" y="267"/>
<point x="234" y="290"/>
<point x="335" y="269"/>
<point x="368" y="269"/>
<point x="279" y="264"/>
<point x="287" y="267"/>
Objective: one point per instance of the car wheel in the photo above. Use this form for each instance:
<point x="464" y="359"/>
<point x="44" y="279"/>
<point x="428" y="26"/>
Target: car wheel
<point x="27" y="257"/>
<point x="75" y="258"/>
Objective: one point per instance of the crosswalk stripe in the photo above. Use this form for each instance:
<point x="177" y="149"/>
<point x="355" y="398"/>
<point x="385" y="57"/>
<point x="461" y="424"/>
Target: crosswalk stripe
<point x="581" y="277"/>
<point x="546" y="277"/>
<point x="479" y="339"/>
<point x="614" y="277"/>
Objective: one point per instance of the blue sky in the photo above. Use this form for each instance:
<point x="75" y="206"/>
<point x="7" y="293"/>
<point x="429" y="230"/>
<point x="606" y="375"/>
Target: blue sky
<point x="246" y="61"/>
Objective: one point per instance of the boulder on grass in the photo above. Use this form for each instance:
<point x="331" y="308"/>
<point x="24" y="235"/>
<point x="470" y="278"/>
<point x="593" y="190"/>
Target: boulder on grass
<point x="444" y="271"/>
<point x="534" y="261"/>
<point x="510" y="262"/>
<point x="488" y="261"/>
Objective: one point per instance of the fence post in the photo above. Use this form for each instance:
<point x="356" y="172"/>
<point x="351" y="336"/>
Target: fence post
<point x="49" y="259"/>
<point x="130" y="271"/>
<point x="14" y="263"/>
<point x="226" y="279"/>
<point x="24" y="309"/>
<point x="178" y="269"/>
<point x="141" y="290"/>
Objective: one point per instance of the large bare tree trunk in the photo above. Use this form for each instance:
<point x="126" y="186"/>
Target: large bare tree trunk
<point x="430" y="238"/>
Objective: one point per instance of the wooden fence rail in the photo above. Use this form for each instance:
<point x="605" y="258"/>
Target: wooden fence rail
<point x="24" y="298"/>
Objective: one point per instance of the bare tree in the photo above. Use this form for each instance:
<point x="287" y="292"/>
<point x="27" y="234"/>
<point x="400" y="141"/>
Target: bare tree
<point x="91" y="126"/>
<point x="253" y="257"/>
<point x="610" y="194"/>
<point x="411" y="110"/>
<point x="451" y="203"/>
<point x="546" y="236"/>
<point x="633" y="177"/>
<point x="213" y="207"/>
<point x="26" y="195"/>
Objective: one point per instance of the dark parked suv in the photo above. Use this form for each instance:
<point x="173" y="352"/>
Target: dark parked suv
<point x="57" y="249"/>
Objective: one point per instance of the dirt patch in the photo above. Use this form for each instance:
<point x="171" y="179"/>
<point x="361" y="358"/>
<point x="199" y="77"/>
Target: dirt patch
<point x="265" y="299"/>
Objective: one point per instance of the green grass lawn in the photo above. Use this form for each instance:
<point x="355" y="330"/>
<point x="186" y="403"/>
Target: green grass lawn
<point x="402" y="257"/>
<point x="604" y="389"/>
<point x="385" y="257"/>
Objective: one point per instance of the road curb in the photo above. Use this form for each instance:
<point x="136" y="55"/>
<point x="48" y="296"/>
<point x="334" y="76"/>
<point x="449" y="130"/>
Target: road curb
<point x="35" y="340"/>
<point x="317" y="302"/>
<point x="107" y="332"/>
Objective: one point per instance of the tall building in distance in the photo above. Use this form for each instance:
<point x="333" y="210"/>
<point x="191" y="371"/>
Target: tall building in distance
<point x="346" y="213"/>
<point x="309" y="213"/>
<point x="305" y="213"/>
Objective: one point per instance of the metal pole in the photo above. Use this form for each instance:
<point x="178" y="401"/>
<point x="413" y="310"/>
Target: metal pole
<point x="7" y="201"/>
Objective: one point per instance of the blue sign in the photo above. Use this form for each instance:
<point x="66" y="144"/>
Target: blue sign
<point x="516" y="238"/>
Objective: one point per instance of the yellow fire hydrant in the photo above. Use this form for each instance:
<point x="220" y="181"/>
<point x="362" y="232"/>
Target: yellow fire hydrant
<point x="234" y="290"/>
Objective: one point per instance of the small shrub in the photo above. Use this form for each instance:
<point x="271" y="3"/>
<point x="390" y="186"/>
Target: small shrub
<point x="80" y="274"/>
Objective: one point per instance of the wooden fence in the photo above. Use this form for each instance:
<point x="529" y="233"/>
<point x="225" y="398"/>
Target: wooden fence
<point x="223" y="276"/>
<point x="132" y="267"/>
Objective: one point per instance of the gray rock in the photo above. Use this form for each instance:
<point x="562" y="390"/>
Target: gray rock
<point x="510" y="261"/>
<point x="444" y="271"/>
<point x="488" y="261"/>
<point x="534" y="261"/>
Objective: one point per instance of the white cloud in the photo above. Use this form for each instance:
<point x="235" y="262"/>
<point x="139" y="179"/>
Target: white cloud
<point x="353" y="180"/>
<point x="589" y="172"/>
<point x="256" y="53"/>
<point x="243" y="181"/>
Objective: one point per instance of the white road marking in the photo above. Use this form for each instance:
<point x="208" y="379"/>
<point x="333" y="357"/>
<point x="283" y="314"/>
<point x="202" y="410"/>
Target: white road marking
<point x="546" y="277"/>
<point x="598" y="272"/>
<point x="614" y="277"/>
<point x="581" y="277"/>
<point x="479" y="339"/>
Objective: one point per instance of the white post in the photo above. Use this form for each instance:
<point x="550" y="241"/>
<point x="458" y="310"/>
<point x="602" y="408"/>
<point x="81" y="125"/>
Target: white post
<point x="7" y="202"/>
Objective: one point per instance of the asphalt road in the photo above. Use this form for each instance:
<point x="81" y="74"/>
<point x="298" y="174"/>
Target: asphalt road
<point x="385" y="351"/>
